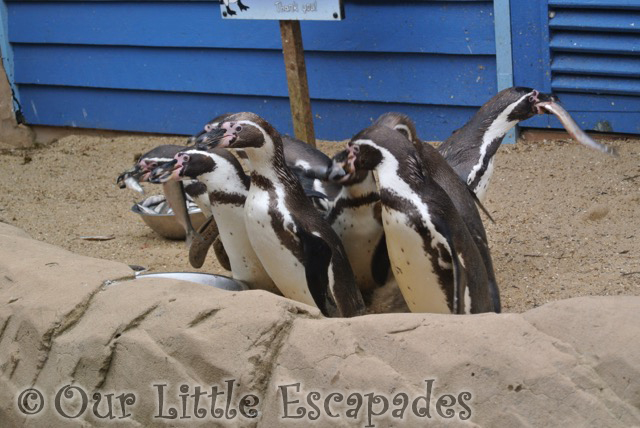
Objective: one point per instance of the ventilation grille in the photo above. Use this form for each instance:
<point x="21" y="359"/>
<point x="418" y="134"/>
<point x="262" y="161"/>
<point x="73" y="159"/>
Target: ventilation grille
<point x="595" y="46"/>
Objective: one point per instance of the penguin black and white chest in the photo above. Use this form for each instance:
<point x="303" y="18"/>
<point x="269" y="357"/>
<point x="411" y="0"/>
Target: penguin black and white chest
<point x="227" y="187"/>
<point x="435" y="166"/>
<point x="471" y="149"/>
<point x="355" y="217"/>
<point x="433" y="257"/>
<point x="296" y="245"/>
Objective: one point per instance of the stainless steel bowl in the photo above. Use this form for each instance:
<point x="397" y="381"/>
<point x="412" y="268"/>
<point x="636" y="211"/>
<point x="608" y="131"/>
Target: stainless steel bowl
<point x="218" y="281"/>
<point x="166" y="225"/>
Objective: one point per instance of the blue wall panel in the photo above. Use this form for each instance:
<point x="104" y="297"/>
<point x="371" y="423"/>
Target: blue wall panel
<point x="433" y="26"/>
<point x="178" y="113"/>
<point x="168" y="66"/>
<point x="391" y="77"/>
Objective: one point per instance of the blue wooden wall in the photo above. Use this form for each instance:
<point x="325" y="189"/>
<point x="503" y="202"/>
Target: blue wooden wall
<point x="170" y="66"/>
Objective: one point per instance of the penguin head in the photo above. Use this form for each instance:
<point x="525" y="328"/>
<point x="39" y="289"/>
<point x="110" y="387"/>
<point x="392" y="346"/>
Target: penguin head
<point x="361" y="155"/>
<point x="210" y="134"/>
<point x="193" y="163"/>
<point x="343" y="169"/>
<point x="146" y="166"/>
<point x="401" y="123"/>
<point x="521" y="103"/>
<point x="186" y="164"/>
<point x="246" y="130"/>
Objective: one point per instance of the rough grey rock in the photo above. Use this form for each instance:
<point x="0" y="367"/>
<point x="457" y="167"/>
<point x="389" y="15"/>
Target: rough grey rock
<point x="66" y="319"/>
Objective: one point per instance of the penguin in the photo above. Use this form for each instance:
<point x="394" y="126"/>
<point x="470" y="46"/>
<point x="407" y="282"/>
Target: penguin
<point x="433" y="257"/>
<point x="296" y="245"/>
<point x="306" y="161"/>
<point x="227" y="188"/>
<point x="471" y="149"/>
<point x="355" y="217"/>
<point x="461" y="195"/>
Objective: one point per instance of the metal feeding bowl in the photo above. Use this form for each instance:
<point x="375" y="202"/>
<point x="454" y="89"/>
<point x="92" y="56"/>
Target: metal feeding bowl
<point x="218" y="281"/>
<point x="158" y="215"/>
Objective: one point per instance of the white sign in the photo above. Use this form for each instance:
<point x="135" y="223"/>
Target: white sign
<point x="283" y="10"/>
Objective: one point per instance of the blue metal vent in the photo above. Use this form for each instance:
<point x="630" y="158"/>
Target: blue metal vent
<point x="595" y="46"/>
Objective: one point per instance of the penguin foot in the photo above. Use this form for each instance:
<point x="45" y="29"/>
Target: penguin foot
<point x="230" y="12"/>
<point x="241" y="6"/>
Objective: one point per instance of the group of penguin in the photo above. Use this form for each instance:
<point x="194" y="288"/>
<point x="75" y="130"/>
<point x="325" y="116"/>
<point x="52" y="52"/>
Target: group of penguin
<point x="390" y="215"/>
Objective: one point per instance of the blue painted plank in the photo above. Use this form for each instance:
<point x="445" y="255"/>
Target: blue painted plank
<point x="175" y="113"/>
<point x="596" y="20"/>
<point x="599" y="4"/>
<point x="589" y="64"/>
<point x="626" y="123"/>
<point x="608" y="103"/>
<point x="530" y="36"/>
<point x="597" y="85"/>
<point x="436" y="27"/>
<point x="411" y="78"/>
<point x="596" y="43"/>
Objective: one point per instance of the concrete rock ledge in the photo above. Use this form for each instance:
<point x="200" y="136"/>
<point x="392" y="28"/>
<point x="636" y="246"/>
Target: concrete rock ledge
<point x="67" y="319"/>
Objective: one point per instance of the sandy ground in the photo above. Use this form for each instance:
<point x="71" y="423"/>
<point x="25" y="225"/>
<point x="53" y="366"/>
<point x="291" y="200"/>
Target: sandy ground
<point x="566" y="217"/>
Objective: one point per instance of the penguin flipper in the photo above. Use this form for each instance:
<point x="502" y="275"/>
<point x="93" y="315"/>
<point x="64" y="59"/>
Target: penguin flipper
<point x="460" y="284"/>
<point x="200" y="247"/>
<point x="479" y="204"/>
<point x="317" y="257"/>
<point x="380" y="263"/>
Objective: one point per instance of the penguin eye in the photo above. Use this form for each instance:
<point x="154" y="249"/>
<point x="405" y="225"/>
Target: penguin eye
<point x="153" y="165"/>
<point x="238" y="128"/>
<point x="356" y="149"/>
<point x="185" y="158"/>
<point x="208" y="127"/>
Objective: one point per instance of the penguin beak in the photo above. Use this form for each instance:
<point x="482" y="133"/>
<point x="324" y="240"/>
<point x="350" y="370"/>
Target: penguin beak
<point x="208" y="140"/>
<point x="165" y="172"/>
<point x="336" y="172"/>
<point x="341" y="169"/>
<point x="549" y="105"/>
<point x="129" y="179"/>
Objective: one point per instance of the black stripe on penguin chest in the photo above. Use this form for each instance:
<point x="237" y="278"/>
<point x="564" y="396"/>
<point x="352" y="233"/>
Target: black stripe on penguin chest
<point x="286" y="236"/>
<point x="224" y="198"/>
<point x="342" y="204"/>
<point x="437" y="254"/>
<point x="195" y="189"/>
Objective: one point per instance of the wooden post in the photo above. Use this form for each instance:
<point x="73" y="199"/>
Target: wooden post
<point x="297" y="81"/>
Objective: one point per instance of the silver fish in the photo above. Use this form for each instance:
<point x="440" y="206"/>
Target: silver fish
<point x="132" y="183"/>
<point x="574" y="130"/>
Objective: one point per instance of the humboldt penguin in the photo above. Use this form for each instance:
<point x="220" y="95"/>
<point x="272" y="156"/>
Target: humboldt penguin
<point x="471" y="149"/>
<point x="296" y="245"/>
<point x="227" y="188"/>
<point x="433" y="257"/>
<point x="464" y="200"/>
<point x="355" y="217"/>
